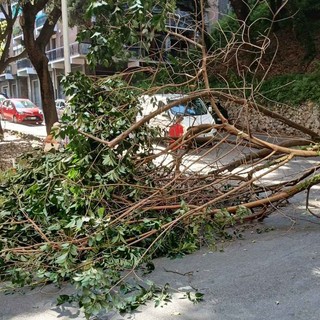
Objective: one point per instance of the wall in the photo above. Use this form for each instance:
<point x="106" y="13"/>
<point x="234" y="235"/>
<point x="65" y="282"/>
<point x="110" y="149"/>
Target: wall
<point x="307" y="115"/>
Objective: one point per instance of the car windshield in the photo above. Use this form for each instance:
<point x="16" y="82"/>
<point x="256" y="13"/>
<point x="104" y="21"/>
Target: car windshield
<point x="24" y="104"/>
<point x="193" y="108"/>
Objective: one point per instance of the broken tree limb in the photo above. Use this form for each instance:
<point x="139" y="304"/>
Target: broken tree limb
<point x="277" y="148"/>
<point x="282" y="195"/>
<point x="259" y="154"/>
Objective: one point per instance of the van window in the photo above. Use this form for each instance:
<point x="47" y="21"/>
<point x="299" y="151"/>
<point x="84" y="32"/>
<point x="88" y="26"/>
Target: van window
<point x="193" y="108"/>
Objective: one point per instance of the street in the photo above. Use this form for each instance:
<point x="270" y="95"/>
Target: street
<point x="203" y="160"/>
<point x="270" y="273"/>
<point x="35" y="130"/>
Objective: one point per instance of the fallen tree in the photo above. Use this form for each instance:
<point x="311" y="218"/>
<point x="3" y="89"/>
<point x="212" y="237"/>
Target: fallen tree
<point x="96" y="212"/>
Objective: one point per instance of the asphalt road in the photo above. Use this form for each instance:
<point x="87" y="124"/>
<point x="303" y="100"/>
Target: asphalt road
<point x="205" y="160"/>
<point x="271" y="273"/>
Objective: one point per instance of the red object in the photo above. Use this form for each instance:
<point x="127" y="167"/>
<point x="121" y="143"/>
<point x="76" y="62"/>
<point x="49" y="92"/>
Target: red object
<point x="176" y="131"/>
<point x="20" y="110"/>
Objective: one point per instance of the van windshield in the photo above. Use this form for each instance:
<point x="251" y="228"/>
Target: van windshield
<point x="195" y="107"/>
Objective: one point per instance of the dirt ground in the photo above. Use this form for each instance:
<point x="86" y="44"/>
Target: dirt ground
<point x="14" y="145"/>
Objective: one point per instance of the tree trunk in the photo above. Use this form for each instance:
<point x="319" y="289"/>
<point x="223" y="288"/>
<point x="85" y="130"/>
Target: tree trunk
<point x="302" y="29"/>
<point x="1" y="131"/>
<point x="275" y="5"/>
<point x="241" y="9"/>
<point x="47" y="91"/>
<point x="36" y="52"/>
<point x="6" y="32"/>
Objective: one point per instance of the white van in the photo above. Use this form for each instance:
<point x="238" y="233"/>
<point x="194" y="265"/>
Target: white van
<point x="194" y="112"/>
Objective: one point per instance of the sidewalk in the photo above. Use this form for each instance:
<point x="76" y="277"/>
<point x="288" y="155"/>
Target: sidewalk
<point x="272" y="274"/>
<point x="35" y="130"/>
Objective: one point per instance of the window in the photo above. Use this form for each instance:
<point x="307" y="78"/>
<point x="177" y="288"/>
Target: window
<point x="195" y="107"/>
<point x="24" y="104"/>
<point x="36" y="92"/>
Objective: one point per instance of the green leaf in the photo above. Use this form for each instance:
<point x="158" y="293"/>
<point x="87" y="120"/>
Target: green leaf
<point x="62" y="259"/>
<point x="101" y="212"/>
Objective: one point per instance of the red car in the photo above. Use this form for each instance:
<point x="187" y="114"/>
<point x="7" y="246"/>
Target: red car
<point x="21" y="110"/>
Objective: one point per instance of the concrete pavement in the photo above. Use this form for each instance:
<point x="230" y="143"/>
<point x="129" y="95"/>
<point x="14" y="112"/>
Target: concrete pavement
<point x="35" y="130"/>
<point x="272" y="273"/>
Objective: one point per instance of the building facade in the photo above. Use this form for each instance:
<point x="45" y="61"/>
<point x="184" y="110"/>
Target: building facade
<point x="20" y="79"/>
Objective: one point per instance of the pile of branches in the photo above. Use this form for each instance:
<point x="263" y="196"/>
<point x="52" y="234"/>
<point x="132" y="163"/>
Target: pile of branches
<point x="95" y="212"/>
<point x="98" y="210"/>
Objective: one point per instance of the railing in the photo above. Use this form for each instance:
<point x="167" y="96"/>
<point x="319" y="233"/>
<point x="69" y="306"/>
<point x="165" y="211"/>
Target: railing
<point x="76" y="49"/>
<point x="8" y="69"/>
<point x="17" y="31"/>
<point x="181" y="21"/>
<point x="137" y="51"/>
<point x="55" y="54"/>
<point x="24" y="63"/>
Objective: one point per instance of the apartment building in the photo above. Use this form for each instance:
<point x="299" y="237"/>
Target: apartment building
<point x="20" y="78"/>
<point x="183" y="21"/>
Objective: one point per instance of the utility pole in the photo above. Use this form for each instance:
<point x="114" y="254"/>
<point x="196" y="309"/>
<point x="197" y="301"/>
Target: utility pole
<point x="65" y="32"/>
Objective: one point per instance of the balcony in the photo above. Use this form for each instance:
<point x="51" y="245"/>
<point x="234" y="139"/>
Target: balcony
<point x="7" y="75"/>
<point x="17" y="35"/>
<point x="181" y="21"/>
<point x="79" y="49"/>
<point x="40" y="21"/>
<point x="78" y="52"/>
<point x="137" y="51"/>
<point x="24" y="68"/>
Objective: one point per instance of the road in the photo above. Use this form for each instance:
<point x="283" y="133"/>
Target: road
<point x="35" y="130"/>
<point x="206" y="160"/>
<point x="202" y="160"/>
<point x="273" y="273"/>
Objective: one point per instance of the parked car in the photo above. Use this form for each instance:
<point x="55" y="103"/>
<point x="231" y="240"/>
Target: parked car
<point x="2" y="98"/>
<point x="193" y="113"/>
<point x="60" y="106"/>
<point x="20" y="110"/>
<point x="4" y="95"/>
<point x="223" y="111"/>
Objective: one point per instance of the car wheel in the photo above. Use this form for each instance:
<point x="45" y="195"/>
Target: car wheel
<point x="14" y="119"/>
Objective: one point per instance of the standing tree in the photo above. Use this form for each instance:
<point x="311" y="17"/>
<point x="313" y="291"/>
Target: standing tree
<point x="6" y="31"/>
<point x="35" y="47"/>
<point x="241" y="9"/>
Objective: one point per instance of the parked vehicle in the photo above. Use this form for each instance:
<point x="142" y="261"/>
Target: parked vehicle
<point x="194" y="112"/>
<point x="2" y="98"/>
<point x="20" y="110"/>
<point x="4" y="95"/>
<point x="61" y="105"/>
<point x="223" y="111"/>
